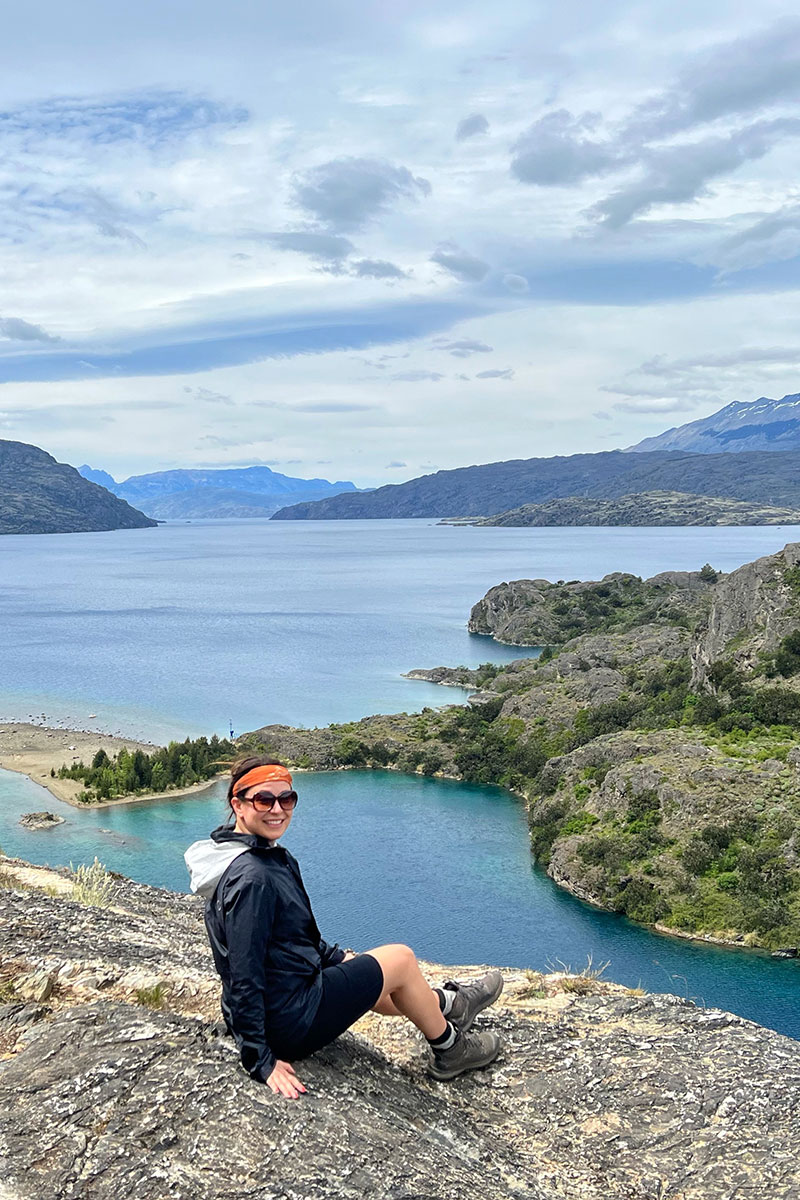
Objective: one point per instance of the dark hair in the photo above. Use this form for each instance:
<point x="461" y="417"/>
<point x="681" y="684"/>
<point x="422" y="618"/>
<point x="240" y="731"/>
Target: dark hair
<point x="242" y="765"/>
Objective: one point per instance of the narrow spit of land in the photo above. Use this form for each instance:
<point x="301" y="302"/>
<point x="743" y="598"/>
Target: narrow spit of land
<point x="36" y="750"/>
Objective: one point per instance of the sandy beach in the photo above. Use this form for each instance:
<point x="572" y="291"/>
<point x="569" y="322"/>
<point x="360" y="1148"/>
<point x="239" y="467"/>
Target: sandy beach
<point x="34" y="750"/>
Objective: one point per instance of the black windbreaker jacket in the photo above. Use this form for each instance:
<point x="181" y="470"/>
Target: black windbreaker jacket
<point x="267" y="949"/>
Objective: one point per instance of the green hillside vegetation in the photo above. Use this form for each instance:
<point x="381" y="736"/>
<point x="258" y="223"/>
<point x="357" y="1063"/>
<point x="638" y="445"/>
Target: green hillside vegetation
<point x="655" y="788"/>
<point x="178" y="765"/>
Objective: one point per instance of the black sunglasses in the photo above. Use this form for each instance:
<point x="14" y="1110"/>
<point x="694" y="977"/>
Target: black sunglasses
<point x="265" y="801"/>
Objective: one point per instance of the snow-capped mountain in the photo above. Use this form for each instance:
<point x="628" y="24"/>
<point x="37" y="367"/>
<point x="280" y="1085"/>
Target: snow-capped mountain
<point x="762" y="424"/>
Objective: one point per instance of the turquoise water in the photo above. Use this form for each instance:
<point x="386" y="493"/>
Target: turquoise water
<point x="178" y="629"/>
<point x="442" y="866"/>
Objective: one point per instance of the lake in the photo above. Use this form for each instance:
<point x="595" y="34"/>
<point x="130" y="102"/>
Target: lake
<point x="176" y="630"/>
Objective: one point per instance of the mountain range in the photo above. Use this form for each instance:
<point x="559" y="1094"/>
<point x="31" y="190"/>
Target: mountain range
<point x="757" y="425"/>
<point x="227" y="492"/>
<point x="758" y="476"/>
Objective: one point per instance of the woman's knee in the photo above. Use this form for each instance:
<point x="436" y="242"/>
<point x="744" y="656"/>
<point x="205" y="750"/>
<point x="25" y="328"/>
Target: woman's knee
<point x="396" y="961"/>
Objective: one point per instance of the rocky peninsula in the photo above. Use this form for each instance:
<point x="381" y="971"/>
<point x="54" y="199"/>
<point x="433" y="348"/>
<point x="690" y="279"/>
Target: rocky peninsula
<point x="116" y="1078"/>
<point x="656" y="741"/>
<point x="642" y="509"/>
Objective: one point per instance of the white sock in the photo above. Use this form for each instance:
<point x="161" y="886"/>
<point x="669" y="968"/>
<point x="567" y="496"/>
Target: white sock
<point x="446" y="998"/>
<point x="446" y="1040"/>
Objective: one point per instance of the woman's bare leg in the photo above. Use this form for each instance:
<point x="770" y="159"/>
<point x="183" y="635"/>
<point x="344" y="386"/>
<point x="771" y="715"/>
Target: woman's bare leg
<point x="406" y="992"/>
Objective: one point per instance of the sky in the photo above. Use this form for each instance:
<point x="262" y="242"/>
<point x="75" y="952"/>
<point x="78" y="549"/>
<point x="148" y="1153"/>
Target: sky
<point x="370" y="239"/>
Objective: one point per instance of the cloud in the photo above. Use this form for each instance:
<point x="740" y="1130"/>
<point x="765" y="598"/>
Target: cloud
<point x="202" y="346"/>
<point x="395" y="465"/>
<point x="332" y="406"/>
<point x="602" y="415"/>
<point x="459" y="263"/>
<point x="729" y="79"/>
<point x="52" y="417"/>
<point x="516" y="283"/>
<point x="677" y="174"/>
<point x="668" y="368"/>
<point x="508" y="373"/>
<point x="225" y="443"/>
<point x="469" y="126"/>
<point x="151" y="117"/>
<point x="772" y="237"/>
<point x="418" y="376"/>
<point x="347" y="193"/>
<point x="206" y="396"/>
<point x="652" y="405"/>
<point x="22" y="331"/>
<point x="317" y="245"/>
<point x="555" y="150"/>
<point x="726" y="81"/>
<point x="377" y="268"/>
<point x="465" y="347"/>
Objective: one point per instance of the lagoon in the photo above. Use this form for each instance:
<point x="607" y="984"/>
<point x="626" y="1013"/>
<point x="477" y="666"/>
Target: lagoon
<point x="177" y="630"/>
<point x="443" y="866"/>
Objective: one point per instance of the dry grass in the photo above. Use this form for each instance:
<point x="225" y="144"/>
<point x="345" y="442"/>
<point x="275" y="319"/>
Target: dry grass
<point x="93" y="885"/>
<point x="580" y="983"/>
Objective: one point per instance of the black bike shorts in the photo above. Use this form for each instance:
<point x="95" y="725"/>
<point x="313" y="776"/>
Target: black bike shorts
<point x="349" y="989"/>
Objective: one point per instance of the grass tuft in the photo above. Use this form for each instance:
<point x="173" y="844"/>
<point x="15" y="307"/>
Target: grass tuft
<point x="151" y="997"/>
<point x="93" y="885"/>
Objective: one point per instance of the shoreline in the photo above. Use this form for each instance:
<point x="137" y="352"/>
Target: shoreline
<point x="35" y="750"/>
<point x="32" y="750"/>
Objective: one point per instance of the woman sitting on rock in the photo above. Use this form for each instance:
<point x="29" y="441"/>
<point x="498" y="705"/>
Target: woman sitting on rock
<point x="285" y="991"/>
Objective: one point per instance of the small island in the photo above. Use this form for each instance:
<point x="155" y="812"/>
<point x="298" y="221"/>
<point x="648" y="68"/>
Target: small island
<point x="639" y="509"/>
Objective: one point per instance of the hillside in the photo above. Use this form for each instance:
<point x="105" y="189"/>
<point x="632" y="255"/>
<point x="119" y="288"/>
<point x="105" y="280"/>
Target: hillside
<point x="762" y="424"/>
<point x="40" y="495"/>
<point x="482" y="491"/>
<point x="225" y="492"/>
<point x="117" y="1079"/>
<point x="656" y="741"/>
<point x="644" y="508"/>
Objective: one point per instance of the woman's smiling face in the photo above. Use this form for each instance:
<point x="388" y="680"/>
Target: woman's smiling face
<point x="269" y="823"/>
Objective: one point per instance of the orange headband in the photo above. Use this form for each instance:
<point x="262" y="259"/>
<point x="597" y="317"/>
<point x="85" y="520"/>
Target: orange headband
<point x="267" y="774"/>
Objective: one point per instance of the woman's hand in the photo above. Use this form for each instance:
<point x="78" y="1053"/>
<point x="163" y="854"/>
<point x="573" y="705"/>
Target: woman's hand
<point x="284" y="1081"/>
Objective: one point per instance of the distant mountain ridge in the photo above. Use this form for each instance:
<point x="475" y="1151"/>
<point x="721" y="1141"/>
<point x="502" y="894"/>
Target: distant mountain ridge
<point x="480" y="491"/>
<point x="761" y="424"/>
<point x="40" y="495"/>
<point x="224" y="492"/>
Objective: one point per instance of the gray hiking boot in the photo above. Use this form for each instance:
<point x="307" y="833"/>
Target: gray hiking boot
<point x="471" y="998"/>
<point x="468" y="1052"/>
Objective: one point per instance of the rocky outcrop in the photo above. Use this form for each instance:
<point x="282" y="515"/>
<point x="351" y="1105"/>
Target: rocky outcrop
<point x="40" y="495"/>
<point x="118" y="1081"/>
<point x="534" y="612"/>
<point x="642" y="509"/>
<point x="673" y="829"/>
<point x="462" y="677"/>
<point x="40" y="820"/>
<point x="751" y="610"/>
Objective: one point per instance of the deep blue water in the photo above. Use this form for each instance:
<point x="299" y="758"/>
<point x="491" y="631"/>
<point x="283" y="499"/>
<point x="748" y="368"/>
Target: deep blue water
<point x="175" y="630"/>
<point x="442" y="866"/>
